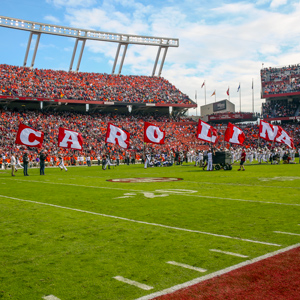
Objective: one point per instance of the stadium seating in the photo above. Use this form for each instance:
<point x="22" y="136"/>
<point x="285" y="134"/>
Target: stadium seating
<point x="25" y="82"/>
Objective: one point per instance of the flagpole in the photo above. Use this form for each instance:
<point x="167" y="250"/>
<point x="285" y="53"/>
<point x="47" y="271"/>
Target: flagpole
<point x="205" y="92"/>
<point x="196" y="98"/>
<point x="252" y="97"/>
<point x="240" y="98"/>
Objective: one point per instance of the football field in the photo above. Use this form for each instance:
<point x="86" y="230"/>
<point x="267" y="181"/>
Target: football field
<point x="128" y="233"/>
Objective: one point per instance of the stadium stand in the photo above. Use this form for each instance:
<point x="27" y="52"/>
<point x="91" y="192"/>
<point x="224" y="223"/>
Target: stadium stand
<point x="50" y="84"/>
<point x="280" y="80"/>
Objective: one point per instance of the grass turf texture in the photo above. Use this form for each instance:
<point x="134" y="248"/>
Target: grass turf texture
<point x="48" y="250"/>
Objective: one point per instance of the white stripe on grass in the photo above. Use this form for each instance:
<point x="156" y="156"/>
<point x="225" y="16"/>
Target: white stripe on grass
<point x="50" y="297"/>
<point x="134" y="283"/>
<point x="142" y="222"/>
<point x="215" y="274"/>
<point x="139" y="191"/>
<point x="288" y="233"/>
<point x="174" y="263"/>
<point x="229" y="253"/>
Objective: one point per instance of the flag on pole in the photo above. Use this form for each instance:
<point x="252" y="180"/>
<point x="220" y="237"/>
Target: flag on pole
<point x="29" y="136"/>
<point x="227" y="92"/>
<point x="214" y="93"/>
<point x="206" y="132"/>
<point x="239" y="87"/>
<point x="116" y="135"/>
<point x="203" y="84"/>
<point x="234" y="135"/>
<point x="153" y="134"/>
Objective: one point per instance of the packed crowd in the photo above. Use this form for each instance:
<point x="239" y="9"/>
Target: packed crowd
<point x="280" y="108"/>
<point x="280" y="80"/>
<point x="25" y="82"/>
<point x="180" y="135"/>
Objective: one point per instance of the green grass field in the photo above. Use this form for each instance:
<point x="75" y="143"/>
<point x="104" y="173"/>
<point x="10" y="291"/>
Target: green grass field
<point x="69" y="234"/>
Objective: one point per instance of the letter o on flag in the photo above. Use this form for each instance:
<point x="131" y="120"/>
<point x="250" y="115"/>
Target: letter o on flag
<point x="154" y="134"/>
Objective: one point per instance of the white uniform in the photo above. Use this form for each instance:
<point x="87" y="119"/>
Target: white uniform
<point x="61" y="164"/>
<point x="209" y="161"/>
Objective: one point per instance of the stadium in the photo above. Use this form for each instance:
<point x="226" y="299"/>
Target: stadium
<point x="154" y="224"/>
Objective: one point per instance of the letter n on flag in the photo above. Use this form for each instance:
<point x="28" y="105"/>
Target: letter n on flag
<point x="153" y="134"/>
<point x="116" y="135"/>
<point x="29" y="137"/>
<point x="69" y="139"/>
<point x="234" y="135"/>
<point x="207" y="133"/>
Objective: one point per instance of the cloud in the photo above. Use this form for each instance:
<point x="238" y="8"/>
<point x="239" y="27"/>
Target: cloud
<point x="52" y="19"/>
<point x="277" y="3"/>
<point x="72" y="3"/>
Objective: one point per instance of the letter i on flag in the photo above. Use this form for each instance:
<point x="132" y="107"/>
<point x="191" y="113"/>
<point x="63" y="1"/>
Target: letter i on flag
<point x="69" y="139"/>
<point x="116" y="135"/>
<point x="234" y="135"/>
<point x="153" y="134"/>
<point x="207" y="133"/>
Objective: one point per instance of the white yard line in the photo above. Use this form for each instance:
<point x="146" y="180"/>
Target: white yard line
<point x="228" y="253"/>
<point x="142" y="222"/>
<point x="215" y="274"/>
<point x="186" y="266"/>
<point x="50" y="297"/>
<point x="135" y="283"/>
<point x="289" y="233"/>
<point x="243" y="184"/>
<point x="140" y="191"/>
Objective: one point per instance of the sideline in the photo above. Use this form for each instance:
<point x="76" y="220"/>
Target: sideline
<point x="215" y="274"/>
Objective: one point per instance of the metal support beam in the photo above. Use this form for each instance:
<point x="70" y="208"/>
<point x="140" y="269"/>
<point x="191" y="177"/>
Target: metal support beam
<point x="162" y="61"/>
<point x="156" y="61"/>
<point x="80" y="55"/>
<point x="73" y="55"/>
<point x="123" y="57"/>
<point x="35" y="49"/>
<point x="116" y="58"/>
<point x="27" y="49"/>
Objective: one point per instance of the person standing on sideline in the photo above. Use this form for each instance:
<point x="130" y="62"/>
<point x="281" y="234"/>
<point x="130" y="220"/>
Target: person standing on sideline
<point x="13" y="164"/>
<point x="243" y="159"/>
<point x="209" y="160"/>
<point x="61" y="164"/>
<point x="25" y="163"/>
<point x="42" y="162"/>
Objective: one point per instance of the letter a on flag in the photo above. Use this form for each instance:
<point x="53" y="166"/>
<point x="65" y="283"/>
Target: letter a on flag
<point x="234" y="135"/>
<point x="116" y="135"/>
<point x="29" y="137"/>
<point x="207" y="133"/>
<point x="153" y="134"/>
<point x="283" y="137"/>
<point x="69" y="139"/>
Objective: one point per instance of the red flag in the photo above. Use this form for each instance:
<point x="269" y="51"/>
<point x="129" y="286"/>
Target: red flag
<point x="227" y="92"/>
<point x="153" y="134"/>
<point x="268" y="131"/>
<point x="203" y="84"/>
<point x="234" y="135"/>
<point x="283" y="137"/>
<point x="116" y="135"/>
<point x="206" y="132"/>
<point x="69" y="139"/>
<point x="29" y="137"/>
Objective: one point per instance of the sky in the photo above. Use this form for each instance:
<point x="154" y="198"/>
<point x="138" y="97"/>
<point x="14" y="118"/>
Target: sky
<point x="222" y="42"/>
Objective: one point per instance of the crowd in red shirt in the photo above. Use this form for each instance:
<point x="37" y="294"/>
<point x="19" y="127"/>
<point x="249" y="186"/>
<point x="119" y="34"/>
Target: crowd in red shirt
<point x="25" y="82"/>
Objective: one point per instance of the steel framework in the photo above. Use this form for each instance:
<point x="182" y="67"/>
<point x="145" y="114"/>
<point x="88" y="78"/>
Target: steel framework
<point x="82" y="35"/>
